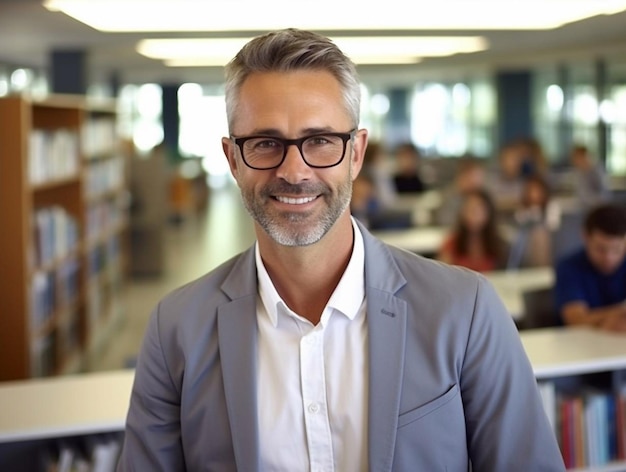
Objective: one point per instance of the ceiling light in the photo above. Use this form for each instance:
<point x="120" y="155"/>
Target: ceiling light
<point x="325" y="15"/>
<point x="187" y="52"/>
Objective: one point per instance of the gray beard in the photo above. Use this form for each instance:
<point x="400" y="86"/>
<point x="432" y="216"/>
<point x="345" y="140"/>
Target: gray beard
<point x="291" y="229"/>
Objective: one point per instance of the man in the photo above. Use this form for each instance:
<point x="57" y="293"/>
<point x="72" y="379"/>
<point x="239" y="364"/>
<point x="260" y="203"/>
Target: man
<point x="320" y="348"/>
<point x="590" y="179"/>
<point x="591" y="283"/>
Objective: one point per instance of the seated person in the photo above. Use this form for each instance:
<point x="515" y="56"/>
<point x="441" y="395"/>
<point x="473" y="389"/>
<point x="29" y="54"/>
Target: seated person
<point x="407" y="178"/>
<point x="590" y="179"/>
<point x="470" y="176"/>
<point x="534" y="220"/>
<point x="376" y="168"/>
<point x="475" y="241"/>
<point x="506" y="183"/>
<point x="591" y="283"/>
<point x="363" y="202"/>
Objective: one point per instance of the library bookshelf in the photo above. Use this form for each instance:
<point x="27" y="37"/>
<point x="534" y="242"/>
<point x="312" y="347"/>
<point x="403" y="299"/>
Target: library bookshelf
<point x="64" y="216"/>
<point x="581" y="375"/>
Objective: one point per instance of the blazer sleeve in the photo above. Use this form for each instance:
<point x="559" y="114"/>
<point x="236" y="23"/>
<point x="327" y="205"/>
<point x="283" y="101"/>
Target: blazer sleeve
<point x="507" y="427"/>
<point x="152" y="439"/>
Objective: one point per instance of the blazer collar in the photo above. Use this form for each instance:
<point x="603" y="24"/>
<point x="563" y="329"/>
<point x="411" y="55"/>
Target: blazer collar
<point x="386" y="320"/>
<point x="237" y="335"/>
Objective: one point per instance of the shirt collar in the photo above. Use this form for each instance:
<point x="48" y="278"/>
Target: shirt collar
<point x="348" y="295"/>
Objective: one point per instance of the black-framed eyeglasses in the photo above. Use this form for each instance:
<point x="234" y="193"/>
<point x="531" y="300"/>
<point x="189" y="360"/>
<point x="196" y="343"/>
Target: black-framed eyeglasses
<point x="319" y="150"/>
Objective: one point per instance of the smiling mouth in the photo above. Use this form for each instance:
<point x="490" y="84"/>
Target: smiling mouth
<point x="295" y="201"/>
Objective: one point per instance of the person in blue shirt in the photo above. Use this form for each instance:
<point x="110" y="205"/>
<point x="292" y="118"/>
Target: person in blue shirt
<point x="591" y="283"/>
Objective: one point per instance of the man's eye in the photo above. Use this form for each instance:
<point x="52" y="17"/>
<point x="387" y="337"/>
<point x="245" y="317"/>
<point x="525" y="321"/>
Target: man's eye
<point x="319" y="140"/>
<point x="265" y="144"/>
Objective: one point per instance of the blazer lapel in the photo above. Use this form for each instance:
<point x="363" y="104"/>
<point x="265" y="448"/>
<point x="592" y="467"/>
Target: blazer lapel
<point x="237" y="334"/>
<point x="386" y="318"/>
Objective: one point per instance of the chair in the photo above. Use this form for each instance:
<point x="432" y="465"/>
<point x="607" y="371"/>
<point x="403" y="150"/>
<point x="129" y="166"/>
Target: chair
<point x="568" y="237"/>
<point x="539" y="309"/>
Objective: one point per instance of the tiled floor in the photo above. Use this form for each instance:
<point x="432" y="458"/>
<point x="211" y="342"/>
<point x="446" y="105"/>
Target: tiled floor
<point x="192" y="249"/>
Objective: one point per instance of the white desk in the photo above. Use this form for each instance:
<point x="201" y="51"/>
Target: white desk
<point x="556" y="352"/>
<point x="420" y="240"/>
<point x="65" y="406"/>
<point x="421" y="205"/>
<point x="511" y="286"/>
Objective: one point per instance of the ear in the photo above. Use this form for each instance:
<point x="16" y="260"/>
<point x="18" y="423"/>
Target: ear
<point x="358" y="152"/>
<point x="230" y="151"/>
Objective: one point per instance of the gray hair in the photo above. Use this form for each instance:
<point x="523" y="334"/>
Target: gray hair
<point x="290" y="50"/>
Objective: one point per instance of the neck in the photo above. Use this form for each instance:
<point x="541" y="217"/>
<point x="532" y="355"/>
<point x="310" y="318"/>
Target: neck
<point x="305" y="277"/>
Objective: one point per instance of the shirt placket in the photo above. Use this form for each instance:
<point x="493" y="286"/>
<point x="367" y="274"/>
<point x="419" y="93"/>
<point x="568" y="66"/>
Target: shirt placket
<point x="316" y="420"/>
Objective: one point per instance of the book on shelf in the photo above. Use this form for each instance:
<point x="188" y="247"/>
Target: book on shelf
<point x="104" y="176"/>
<point x="98" y="453"/>
<point x="56" y="234"/>
<point x="52" y="155"/>
<point x="98" y="137"/>
<point x="68" y="279"/>
<point x="104" y="216"/>
<point x="589" y="425"/>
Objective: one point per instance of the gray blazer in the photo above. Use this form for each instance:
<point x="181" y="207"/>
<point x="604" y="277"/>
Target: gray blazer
<point x="449" y="381"/>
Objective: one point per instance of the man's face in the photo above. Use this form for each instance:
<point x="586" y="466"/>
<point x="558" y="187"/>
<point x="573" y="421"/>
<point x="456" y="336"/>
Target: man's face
<point x="605" y="252"/>
<point x="296" y="205"/>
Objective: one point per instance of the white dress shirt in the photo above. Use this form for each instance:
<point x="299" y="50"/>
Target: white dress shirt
<point x="313" y="380"/>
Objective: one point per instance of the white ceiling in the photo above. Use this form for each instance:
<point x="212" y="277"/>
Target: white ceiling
<point x="28" y="32"/>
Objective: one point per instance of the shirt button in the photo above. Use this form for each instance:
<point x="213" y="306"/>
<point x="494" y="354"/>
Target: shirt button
<point x="314" y="408"/>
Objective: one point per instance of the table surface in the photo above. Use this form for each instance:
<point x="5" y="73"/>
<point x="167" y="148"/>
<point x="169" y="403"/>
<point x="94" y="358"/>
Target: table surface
<point x="511" y="285"/>
<point x="64" y="406"/>
<point x="419" y="239"/>
<point x="556" y="352"/>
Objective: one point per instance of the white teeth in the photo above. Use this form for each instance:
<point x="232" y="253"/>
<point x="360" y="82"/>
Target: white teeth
<point x="295" y="201"/>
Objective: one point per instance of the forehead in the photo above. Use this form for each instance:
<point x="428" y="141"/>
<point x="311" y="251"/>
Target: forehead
<point x="289" y="102"/>
<point x="600" y="238"/>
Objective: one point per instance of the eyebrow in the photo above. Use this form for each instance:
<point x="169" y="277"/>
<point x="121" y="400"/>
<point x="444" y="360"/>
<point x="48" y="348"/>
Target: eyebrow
<point x="304" y="132"/>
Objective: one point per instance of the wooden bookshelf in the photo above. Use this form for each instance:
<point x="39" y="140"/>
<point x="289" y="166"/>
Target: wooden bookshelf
<point x="62" y="197"/>
<point x="580" y="363"/>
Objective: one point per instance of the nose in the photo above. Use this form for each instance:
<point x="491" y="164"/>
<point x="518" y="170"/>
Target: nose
<point x="294" y="169"/>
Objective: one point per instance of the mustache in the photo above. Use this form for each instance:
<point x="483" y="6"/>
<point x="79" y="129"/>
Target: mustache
<point x="282" y="187"/>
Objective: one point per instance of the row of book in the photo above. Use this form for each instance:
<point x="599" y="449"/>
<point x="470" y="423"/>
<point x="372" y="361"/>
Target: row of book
<point x="53" y="155"/>
<point x="98" y="137"/>
<point x="58" y="343"/>
<point x="55" y="294"/>
<point x="104" y="176"/>
<point x="54" y="291"/>
<point x="44" y="299"/>
<point x="104" y="266"/>
<point x="84" y="454"/>
<point x="103" y="256"/>
<point x="44" y="355"/>
<point x="102" y="216"/>
<point x="590" y="426"/>
<point x="56" y="234"/>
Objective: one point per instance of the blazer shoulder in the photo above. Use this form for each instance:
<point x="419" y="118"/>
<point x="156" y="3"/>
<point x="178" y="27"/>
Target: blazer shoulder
<point x="204" y="292"/>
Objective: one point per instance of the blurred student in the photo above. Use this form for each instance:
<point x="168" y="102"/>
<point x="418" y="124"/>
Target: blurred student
<point x="507" y="182"/>
<point x="533" y="160"/>
<point x="470" y="176"/>
<point x="364" y="204"/>
<point x="591" y="283"/>
<point x="407" y="176"/>
<point x="376" y="167"/>
<point x="590" y="179"/>
<point x="535" y="219"/>
<point x="475" y="241"/>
